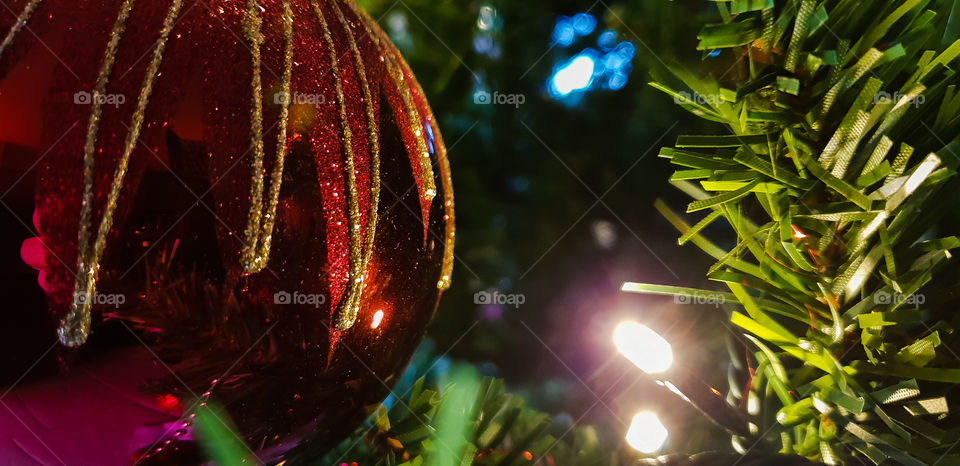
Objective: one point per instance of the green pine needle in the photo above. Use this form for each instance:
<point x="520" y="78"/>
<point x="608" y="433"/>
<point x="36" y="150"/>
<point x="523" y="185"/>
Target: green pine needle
<point x="839" y="250"/>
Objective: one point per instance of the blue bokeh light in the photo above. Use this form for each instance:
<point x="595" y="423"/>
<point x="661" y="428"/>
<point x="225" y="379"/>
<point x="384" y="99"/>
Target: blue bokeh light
<point x="567" y="28"/>
<point x="606" y="67"/>
<point x="563" y="32"/>
<point x="519" y="184"/>
<point x="607" y="40"/>
<point x="482" y="44"/>
<point x="617" y="80"/>
<point x="584" y="23"/>
<point x="614" y="60"/>
<point x="487" y="36"/>
<point x="626" y="48"/>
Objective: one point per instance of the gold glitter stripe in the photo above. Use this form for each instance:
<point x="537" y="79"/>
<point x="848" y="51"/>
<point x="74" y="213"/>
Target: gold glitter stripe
<point x="93" y="126"/>
<point x="396" y="73"/>
<point x="347" y="314"/>
<point x="259" y="231"/>
<point x="276" y="178"/>
<point x="450" y="224"/>
<point x="426" y="165"/>
<point x="75" y="326"/>
<point x="251" y="30"/>
<point x="348" y="320"/>
<point x="17" y="26"/>
<point x="450" y="227"/>
<point x="77" y="319"/>
<point x="446" y="271"/>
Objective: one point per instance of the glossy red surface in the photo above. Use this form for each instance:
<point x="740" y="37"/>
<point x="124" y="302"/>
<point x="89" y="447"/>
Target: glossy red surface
<point x="284" y="376"/>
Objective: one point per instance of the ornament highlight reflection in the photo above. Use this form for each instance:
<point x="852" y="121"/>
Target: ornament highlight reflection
<point x="646" y="433"/>
<point x="643" y="347"/>
<point x="377" y="318"/>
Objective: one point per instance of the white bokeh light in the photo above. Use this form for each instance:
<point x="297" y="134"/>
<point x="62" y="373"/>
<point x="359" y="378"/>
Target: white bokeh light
<point x="573" y="76"/>
<point x="646" y="433"/>
<point x="377" y="318"/>
<point x="643" y="347"/>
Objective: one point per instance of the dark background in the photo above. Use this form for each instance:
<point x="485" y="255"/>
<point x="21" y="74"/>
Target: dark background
<point x="554" y="201"/>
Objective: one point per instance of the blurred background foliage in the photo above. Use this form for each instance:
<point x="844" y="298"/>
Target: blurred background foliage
<point x="555" y="196"/>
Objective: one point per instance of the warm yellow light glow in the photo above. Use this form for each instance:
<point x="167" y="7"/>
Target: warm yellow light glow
<point x="646" y="433"/>
<point x="377" y="318"/>
<point x="643" y="347"/>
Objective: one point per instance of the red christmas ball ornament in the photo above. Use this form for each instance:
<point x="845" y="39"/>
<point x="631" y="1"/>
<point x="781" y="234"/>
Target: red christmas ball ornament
<point x="240" y="201"/>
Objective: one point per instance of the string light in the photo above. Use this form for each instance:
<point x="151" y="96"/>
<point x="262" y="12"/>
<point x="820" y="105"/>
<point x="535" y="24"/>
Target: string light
<point x="643" y="347"/>
<point x="646" y="433"/>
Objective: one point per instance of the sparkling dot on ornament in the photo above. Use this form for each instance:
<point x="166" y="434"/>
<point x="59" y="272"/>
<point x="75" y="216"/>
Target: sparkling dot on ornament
<point x="377" y="318"/>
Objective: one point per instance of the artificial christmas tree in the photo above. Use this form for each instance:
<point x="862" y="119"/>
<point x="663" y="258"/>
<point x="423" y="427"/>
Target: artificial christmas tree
<point x="835" y="167"/>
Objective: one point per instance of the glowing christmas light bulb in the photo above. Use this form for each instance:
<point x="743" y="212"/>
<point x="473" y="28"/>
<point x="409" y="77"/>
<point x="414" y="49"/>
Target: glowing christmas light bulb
<point x="646" y="433"/>
<point x="643" y="347"/>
